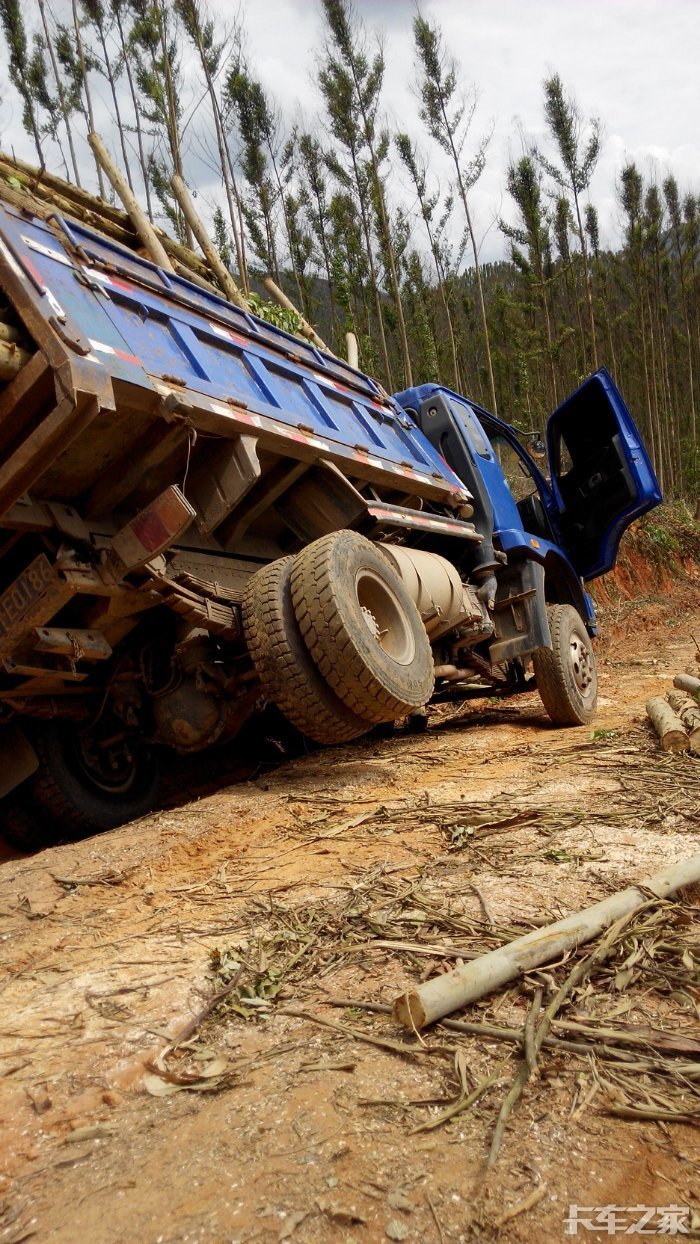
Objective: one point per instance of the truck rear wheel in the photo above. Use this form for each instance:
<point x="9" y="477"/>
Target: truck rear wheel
<point x="20" y="827"/>
<point x="566" y="674"/>
<point x="361" y="627"/>
<point x="85" y="784"/>
<point x="286" y="670"/>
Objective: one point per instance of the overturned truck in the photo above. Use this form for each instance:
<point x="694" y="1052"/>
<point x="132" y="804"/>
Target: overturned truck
<point x="201" y="514"/>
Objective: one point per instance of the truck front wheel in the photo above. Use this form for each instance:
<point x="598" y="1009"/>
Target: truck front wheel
<point x="566" y="674"/>
<point x="86" y="784"/>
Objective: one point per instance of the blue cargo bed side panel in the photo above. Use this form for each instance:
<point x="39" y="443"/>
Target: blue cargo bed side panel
<point x="155" y="329"/>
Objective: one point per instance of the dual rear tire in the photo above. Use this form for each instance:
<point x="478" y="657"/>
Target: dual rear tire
<point x="336" y="640"/>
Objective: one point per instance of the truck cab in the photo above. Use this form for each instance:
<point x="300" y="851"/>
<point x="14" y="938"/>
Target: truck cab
<point x="551" y="517"/>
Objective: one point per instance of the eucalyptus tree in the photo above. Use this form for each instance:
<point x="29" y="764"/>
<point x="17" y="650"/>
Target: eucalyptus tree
<point x="313" y="197"/>
<point x="66" y="100"/>
<point x="428" y="204"/>
<point x="578" y="147"/>
<point x="673" y="207"/>
<point x="248" y="104"/>
<point x="600" y="269"/>
<point x="85" y="62"/>
<point x="349" y="168"/>
<point x="155" y="48"/>
<point x="214" y="49"/>
<point x="562" y="227"/>
<point x="630" y="193"/>
<point x="25" y="70"/>
<point x="347" y="43"/>
<point x="352" y="275"/>
<point x="448" y="115"/>
<point x="120" y="12"/>
<point x="525" y="188"/>
<point x="95" y="15"/>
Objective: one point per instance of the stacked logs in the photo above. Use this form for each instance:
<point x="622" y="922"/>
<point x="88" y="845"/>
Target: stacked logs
<point x="44" y="194"/>
<point x="676" y="719"/>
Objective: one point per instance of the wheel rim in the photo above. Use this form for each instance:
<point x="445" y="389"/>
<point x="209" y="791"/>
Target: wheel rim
<point x="110" y="769"/>
<point x="582" y="667"/>
<point x="384" y="617"/>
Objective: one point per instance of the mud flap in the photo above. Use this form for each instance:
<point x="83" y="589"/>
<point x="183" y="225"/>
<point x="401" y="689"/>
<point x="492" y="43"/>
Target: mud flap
<point x="18" y="760"/>
<point x="520" y="613"/>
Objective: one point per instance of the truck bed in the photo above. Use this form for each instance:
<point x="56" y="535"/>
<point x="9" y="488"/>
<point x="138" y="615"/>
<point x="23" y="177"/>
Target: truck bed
<point x="136" y="369"/>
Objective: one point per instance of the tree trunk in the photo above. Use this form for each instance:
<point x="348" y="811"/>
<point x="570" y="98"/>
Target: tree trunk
<point x="137" y="118"/>
<point x="86" y="88"/>
<point x="60" y="91"/>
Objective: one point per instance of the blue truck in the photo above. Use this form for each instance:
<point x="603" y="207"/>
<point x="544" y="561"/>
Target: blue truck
<point x="201" y="514"/>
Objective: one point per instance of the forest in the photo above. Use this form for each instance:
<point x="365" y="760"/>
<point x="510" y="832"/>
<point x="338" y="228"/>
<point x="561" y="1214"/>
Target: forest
<point x="316" y="208"/>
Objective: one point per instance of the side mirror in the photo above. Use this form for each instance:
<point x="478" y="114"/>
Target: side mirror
<point x="536" y="447"/>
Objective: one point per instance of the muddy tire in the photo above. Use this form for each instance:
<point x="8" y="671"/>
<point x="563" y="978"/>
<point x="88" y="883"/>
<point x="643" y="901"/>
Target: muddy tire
<point x="21" y="828"/>
<point x="77" y="790"/>
<point x="286" y="671"/>
<point x="566" y="675"/>
<point x="361" y="627"/>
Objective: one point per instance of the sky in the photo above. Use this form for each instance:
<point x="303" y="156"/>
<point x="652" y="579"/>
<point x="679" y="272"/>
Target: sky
<point x="632" y="63"/>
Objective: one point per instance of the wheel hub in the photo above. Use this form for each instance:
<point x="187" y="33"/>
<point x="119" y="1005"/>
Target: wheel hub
<point x="581" y="664"/>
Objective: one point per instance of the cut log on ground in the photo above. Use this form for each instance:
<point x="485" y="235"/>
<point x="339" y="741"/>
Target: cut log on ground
<point x="689" y="712"/>
<point x="668" y="725"/>
<point x="442" y="995"/>
<point x="686" y="682"/>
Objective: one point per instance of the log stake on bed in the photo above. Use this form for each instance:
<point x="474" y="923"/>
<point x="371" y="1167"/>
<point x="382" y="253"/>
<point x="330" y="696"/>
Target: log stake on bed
<point x="305" y="328"/>
<point x="668" y="725"/>
<point x="217" y="265"/>
<point x="140" y="221"/>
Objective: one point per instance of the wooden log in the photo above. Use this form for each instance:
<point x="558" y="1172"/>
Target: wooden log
<point x="686" y="682"/>
<point x="351" y="347"/>
<point x="139" y="219"/>
<point x="212" y="256"/>
<point x="423" y="1004"/>
<point x="688" y="710"/>
<point x="12" y="359"/>
<point x="8" y="333"/>
<point x="305" y="329"/>
<point x="668" y="726"/>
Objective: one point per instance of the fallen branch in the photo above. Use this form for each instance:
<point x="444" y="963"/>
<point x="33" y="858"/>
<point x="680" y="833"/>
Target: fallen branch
<point x="667" y="725"/>
<point x="577" y="974"/>
<point x="441" y="995"/>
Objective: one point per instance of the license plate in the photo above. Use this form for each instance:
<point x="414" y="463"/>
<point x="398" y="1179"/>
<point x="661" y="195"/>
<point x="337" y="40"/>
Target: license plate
<point x="25" y="591"/>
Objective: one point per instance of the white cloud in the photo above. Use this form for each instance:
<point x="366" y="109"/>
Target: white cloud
<point x="633" y="63"/>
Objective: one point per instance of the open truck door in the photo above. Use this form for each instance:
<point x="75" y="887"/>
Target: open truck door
<point x="601" y="476"/>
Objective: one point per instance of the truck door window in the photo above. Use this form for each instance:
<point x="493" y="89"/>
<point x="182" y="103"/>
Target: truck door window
<point x="515" y="468"/>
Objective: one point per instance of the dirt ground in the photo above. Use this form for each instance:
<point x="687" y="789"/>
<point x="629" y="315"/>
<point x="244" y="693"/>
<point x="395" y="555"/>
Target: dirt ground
<point x="336" y="879"/>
